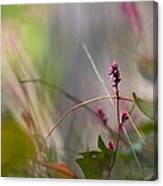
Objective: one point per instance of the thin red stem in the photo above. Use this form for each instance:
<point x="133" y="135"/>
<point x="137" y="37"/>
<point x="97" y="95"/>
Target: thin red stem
<point x="119" y="132"/>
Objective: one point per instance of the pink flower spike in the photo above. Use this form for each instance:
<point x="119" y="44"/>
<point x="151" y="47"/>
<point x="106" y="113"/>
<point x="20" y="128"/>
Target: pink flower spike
<point x="114" y="73"/>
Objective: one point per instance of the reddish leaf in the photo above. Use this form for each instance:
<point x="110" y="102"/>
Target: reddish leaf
<point x="60" y="169"/>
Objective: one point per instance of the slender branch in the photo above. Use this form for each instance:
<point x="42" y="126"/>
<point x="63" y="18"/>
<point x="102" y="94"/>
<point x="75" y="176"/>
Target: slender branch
<point x="75" y="107"/>
<point x="132" y="149"/>
<point x="135" y="128"/>
<point x="96" y="71"/>
<point x="118" y="111"/>
<point x="131" y="109"/>
<point x="66" y="93"/>
<point x="56" y="88"/>
<point x="51" y="85"/>
<point x="119" y="132"/>
<point x="114" y="157"/>
<point x="60" y="119"/>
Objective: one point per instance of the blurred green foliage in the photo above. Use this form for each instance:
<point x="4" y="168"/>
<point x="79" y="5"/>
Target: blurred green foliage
<point x="13" y="11"/>
<point x="146" y="127"/>
<point x="145" y="106"/>
<point x="95" y="164"/>
<point x="18" y="147"/>
<point x="146" y="68"/>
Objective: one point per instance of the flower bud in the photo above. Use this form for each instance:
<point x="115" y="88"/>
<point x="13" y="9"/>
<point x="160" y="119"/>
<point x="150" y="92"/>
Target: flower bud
<point x="101" y="115"/>
<point x="114" y="73"/>
<point x="111" y="145"/>
<point x="124" y="117"/>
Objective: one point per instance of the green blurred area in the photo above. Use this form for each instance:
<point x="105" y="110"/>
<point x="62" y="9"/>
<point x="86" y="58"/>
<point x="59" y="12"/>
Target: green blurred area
<point x="32" y="28"/>
<point x="30" y="25"/>
<point x="18" y="148"/>
<point x="13" y="11"/>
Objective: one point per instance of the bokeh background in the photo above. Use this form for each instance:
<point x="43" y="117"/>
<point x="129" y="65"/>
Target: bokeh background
<point x="44" y="42"/>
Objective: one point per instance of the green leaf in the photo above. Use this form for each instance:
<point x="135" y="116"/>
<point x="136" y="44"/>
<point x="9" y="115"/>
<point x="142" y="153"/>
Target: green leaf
<point x="101" y="144"/>
<point x="145" y="107"/>
<point x="17" y="148"/>
<point x="146" y="127"/>
<point x="95" y="164"/>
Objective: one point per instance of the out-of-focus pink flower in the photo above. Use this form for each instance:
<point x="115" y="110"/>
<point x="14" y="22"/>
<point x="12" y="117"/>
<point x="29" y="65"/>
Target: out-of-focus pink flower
<point x="101" y="115"/>
<point x="124" y="117"/>
<point x="131" y="11"/>
<point x="111" y="145"/>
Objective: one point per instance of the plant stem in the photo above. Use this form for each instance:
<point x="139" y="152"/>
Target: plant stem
<point x="77" y="106"/>
<point x="97" y="72"/>
<point x="119" y="132"/>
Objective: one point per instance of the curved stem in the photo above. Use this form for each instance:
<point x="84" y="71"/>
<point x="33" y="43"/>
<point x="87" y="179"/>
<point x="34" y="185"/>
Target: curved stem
<point x="75" y="107"/>
<point x="71" y="97"/>
<point x="60" y="119"/>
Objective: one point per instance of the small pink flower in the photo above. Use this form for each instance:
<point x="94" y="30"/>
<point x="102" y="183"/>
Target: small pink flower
<point x="101" y="115"/>
<point x="111" y="145"/>
<point x="124" y="117"/>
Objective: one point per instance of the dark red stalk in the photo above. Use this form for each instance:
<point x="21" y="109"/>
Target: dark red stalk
<point x="119" y="132"/>
<point x="114" y="73"/>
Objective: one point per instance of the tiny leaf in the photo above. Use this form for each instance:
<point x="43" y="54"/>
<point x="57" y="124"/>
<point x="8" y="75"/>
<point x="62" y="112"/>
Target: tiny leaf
<point x="145" y="107"/>
<point x="101" y="144"/>
<point x="59" y="169"/>
<point x="93" y="164"/>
